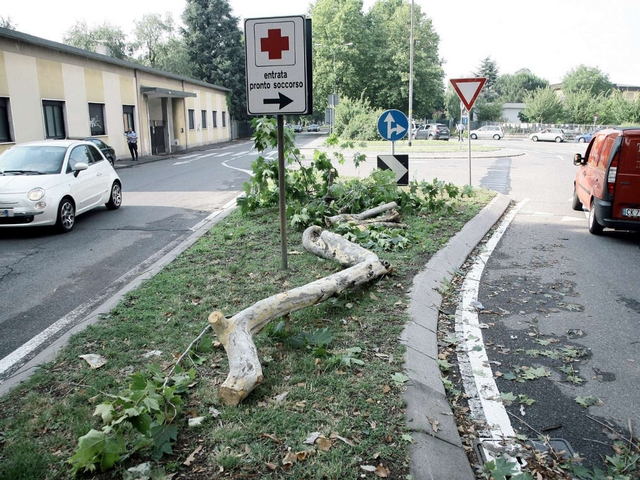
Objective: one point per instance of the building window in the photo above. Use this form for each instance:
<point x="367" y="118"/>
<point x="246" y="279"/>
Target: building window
<point x="127" y="117"/>
<point x="5" y="123"/>
<point x="204" y="118"/>
<point x="215" y="119"/>
<point x="96" y="119"/>
<point x="53" y="119"/>
<point x="192" y="120"/>
<point x="224" y="119"/>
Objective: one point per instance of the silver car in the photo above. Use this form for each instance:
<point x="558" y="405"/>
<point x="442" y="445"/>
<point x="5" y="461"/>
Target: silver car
<point x="548" y="135"/>
<point x="52" y="181"/>
<point x="488" y="131"/>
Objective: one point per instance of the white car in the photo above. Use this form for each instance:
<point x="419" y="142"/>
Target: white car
<point x="548" y="135"/>
<point x="488" y="131"/>
<point x="52" y="181"/>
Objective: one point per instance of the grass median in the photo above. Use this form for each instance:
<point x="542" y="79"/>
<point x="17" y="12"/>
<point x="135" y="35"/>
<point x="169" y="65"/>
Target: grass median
<point x="330" y="406"/>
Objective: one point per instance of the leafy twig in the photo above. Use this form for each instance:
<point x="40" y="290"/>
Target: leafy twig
<point x="184" y="354"/>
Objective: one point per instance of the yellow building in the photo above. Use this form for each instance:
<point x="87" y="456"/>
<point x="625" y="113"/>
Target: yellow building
<point x="52" y="90"/>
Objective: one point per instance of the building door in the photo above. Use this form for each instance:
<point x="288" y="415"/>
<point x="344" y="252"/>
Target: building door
<point x="157" y="139"/>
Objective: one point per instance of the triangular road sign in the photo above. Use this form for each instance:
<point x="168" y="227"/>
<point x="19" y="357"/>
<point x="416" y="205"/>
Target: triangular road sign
<point x="468" y="89"/>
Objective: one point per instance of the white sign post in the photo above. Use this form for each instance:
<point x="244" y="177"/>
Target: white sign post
<point x="278" y="72"/>
<point x="468" y="90"/>
<point x="277" y="65"/>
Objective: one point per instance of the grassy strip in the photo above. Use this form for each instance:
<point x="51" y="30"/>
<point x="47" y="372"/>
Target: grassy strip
<point x="425" y="146"/>
<point x="236" y="264"/>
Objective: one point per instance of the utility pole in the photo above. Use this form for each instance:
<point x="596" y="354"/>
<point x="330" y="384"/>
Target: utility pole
<point x="411" y="77"/>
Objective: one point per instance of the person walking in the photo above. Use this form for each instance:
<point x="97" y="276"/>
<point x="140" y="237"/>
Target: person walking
<point x="132" y="141"/>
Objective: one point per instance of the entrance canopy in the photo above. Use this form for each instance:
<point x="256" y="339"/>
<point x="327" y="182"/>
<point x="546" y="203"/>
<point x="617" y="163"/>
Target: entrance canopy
<point x="157" y="92"/>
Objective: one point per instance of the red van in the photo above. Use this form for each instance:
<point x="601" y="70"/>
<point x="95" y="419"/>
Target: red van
<point x="608" y="180"/>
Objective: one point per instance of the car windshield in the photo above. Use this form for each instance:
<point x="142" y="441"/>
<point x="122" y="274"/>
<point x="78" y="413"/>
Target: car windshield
<point x="32" y="160"/>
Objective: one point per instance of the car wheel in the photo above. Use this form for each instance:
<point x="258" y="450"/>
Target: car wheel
<point x="497" y="137"/>
<point x="558" y="139"/>
<point x="576" y="204"/>
<point x="535" y="139"/>
<point x="474" y="136"/>
<point x="430" y="137"/>
<point x="115" y="199"/>
<point x="582" y="140"/>
<point x="112" y="160"/>
<point x="594" y="226"/>
<point x="66" y="215"/>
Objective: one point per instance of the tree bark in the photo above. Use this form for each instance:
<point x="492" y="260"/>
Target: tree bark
<point x="236" y="333"/>
<point x="356" y="217"/>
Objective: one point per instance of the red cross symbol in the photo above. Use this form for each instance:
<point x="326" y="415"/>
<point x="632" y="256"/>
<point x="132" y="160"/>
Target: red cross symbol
<point x="275" y="44"/>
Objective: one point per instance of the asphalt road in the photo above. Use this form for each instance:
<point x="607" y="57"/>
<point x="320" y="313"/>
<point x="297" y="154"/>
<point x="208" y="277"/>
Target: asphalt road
<point x="51" y="279"/>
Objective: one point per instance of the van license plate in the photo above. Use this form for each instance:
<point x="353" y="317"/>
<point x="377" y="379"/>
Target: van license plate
<point x="631" y="212"/>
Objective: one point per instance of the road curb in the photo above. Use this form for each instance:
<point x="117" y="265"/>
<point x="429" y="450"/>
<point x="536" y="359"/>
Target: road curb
<point x="437" y="453"/>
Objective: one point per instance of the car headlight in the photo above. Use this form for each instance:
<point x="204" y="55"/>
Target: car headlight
<point x="35" y="194"/>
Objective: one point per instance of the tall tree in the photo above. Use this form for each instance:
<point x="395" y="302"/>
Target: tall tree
<point x="214" y="45"/>
<point x="513" y="88"/>
<point x="387" y="72"/>
<point x="341" y="50"/>
<point x="151" y="35"/>
<point x="590" y="79"/>
<point x="543" y="106"/>
<point x="7" y="23"/>
<point x="88" y="38"/>
<point x="488" y="69"/>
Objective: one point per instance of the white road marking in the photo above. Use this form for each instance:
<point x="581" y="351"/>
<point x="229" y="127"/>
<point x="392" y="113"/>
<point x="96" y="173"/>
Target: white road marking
<point x="223" y="154"/>
<point x="224" y="164"/>
<point x="241" y="153"/>
<point x="571" y="219"/>
<point x="475" y="369"/>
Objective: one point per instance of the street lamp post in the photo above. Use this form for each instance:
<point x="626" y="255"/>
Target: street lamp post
<point x="333" y="48"/>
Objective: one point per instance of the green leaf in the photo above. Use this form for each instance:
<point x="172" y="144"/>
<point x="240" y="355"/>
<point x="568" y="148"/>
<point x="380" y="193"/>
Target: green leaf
<point x="587" y="401"/>
<point x="444" y="365"/>
<point x="407" y="438"/>
<point x="399" y="378"/>
<point x="320" y="338"/>
<point x="163" y="436"/>
<point x="500" y="469"/>
<point x="89" y="448"/>
<point x="508" y="398"/>
<point x="509" y="376"/>
<point x="105" y="410"/>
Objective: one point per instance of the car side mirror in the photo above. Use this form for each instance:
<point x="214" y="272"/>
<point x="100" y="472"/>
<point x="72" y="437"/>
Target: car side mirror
<point x="578" y="159"/>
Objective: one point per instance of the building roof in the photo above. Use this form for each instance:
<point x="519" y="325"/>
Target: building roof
<point x="24" y="37"/>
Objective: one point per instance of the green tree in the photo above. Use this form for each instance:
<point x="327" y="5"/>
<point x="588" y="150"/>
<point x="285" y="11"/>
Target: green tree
<point x="152" y="34"/>
<point x="589" y="79"/>
<point x="580" y="107"/>
<point x="542" y="106"/>
<point x="488" y="111"/>
<point x="7" y="23"/>
<point x="387" y="72"/>
<point x="513" y="88"/>
<point x="82" y="36"/>
<point x="452" y="104"/>
<point x="489" y="70"/>
<point x="215" y="47"/>
<point x="339" y="33"/>
<point x="620" y="110"/>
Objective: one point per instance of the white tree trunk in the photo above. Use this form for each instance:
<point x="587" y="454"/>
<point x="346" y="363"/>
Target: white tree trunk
<point x="236" y="333"/>
<point x="356" y="217"/>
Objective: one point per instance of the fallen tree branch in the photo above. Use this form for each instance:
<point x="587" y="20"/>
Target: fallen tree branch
<point x="236" y="333"/>
<point x="357" y="217"/>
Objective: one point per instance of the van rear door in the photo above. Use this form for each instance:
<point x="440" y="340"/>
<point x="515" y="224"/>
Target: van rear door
<point x="626" y="196"/>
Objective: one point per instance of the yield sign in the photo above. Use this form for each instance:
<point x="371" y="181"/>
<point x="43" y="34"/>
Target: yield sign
<point x="468" y="89"/>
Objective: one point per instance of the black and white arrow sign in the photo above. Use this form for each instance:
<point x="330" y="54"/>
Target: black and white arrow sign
<point x="282" y="101"/>
<point x="399" y="164"/>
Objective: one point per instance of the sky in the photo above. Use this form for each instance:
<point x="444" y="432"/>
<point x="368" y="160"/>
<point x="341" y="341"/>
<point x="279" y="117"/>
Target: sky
<point x="548" y="37"/>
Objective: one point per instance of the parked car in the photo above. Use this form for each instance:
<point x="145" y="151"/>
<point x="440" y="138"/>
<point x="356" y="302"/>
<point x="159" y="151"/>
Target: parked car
<point x="52" y="181"/>
<point x="297" y="128"/>
<point x="488" y="131"/>
<point x="586" y="137"/>
<point x="548" y="135"/>
<point x="313" y="128"/>
<point x="607" y="183"/>
<point x="432" y="131"/>
<point x="106" y="150"/>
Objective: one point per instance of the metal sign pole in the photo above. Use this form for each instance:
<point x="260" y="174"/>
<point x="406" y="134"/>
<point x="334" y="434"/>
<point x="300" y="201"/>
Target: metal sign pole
<point x="283" y="214"/>
<point x="469" y="149"/>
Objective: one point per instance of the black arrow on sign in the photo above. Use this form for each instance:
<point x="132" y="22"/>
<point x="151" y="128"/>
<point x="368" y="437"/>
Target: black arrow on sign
<point x="282" y="100"/>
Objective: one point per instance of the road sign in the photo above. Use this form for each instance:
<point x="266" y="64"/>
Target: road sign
<point x="278" y="65"/>
<point x="399" y="164"/>
<point x="393" y="125"/>
<point x="468" y="89"/>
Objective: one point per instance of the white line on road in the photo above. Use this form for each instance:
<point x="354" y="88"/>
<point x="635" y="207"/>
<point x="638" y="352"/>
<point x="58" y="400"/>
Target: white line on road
<point x="224" y="164"/>
<point x="241" y="153"/>
<point x="223" y="154"/>
<point x="475" y="369"/>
